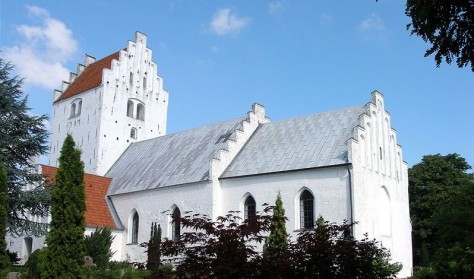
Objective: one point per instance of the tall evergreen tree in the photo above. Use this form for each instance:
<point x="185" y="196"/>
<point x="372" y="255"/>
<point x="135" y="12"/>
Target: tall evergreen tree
<point x="276" y="245"/>
<point x="4" y="261"/>
<point x="277" y="242"/>
<point x="65" y="252"/>
<point x="154" y="250"/>
<point x="23" y="137"/>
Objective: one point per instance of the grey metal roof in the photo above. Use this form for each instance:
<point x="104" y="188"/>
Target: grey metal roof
<point x="174" y="159"/>
<point x="299" y="143"/>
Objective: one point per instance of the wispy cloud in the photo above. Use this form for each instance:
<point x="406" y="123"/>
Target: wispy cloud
<point x="372" y="23"/>
<point x="325" y="19"/>
<point x="43" y="51"/>
<point x="225" y="22"/>
<point x="274" y="7"/>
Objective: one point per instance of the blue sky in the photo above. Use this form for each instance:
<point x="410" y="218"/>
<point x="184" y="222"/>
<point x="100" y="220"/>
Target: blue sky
<point x="219" y="57"/>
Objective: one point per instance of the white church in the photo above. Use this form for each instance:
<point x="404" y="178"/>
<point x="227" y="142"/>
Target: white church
<point x="343" y="164"/>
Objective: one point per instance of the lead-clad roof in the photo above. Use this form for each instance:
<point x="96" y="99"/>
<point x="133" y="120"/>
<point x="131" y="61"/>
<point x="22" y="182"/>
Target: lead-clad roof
<point x="304" y="142"/>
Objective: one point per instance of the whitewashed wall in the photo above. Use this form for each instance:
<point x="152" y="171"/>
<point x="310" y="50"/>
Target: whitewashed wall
<point x="329" y="187"/>
<point x="380" y="184"/>
<point x="150" y="206"/>
<point x="102" y="130"/>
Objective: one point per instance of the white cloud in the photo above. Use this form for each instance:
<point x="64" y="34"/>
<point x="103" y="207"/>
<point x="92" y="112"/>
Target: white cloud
<point x="44" y="50"/>
<point x="372" y="23"/>
<point x="274" y="7"/>
<point x="225" y="22"/>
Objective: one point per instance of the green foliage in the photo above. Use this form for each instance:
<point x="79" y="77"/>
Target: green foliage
<point x="442" y="202"/>
<point x="4" y="260"/>
<point x="447" y="25"/>
<point x="276" y="244"/>
<point x="154" y="250"/>
<point x="36" y="264"/>
<point x="66" y="250"/>
<point x="434" y="185"/>
<point x="330" y="251"/>
<point x="225" y="248"/>
<point x="23" y="137"/>
<point x="98" y="245"/>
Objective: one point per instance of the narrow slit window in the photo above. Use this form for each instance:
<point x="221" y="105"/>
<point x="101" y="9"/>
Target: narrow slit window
<point x="135" y="223"/>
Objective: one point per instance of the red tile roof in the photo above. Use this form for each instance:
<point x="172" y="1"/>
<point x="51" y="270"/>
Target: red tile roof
<point x="97" y="212"/>
<point x="90" y="78"/>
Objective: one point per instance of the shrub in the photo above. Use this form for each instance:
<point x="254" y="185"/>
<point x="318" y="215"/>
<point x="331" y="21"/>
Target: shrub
<point x="98" y="246"/>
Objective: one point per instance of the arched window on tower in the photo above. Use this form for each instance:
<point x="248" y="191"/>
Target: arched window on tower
<point x="72" y="113"/>
<point x="176" y="224"/>
<point x="133" y="133"/>
<point x="79" y="107"/>
<point x="130" y="108"/>
<point x="140" y="112"/>
<point x="306" y="210"/>
<point x="249" y="208"/>
<point x="134" y="228"/>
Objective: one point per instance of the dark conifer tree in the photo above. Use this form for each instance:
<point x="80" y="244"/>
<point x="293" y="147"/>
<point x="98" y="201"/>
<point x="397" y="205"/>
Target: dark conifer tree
<point x="23" y="137"/>
<point x="154" y="250"/>
<point x="276" y="245"/>
<point x="4" y="261"/>
<point x="65" y="240"/>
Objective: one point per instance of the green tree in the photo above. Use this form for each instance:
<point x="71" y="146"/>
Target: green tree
<point x="276" y="245"/>
<point x="331" y="252"/>
<point x="448" y="25"/>
<point x="98" y="245"/>
<point x="23" y="137"/>
<point x="4" y="259"/>
<point x="154" y="250"/>
<point x="66" y="251"/>
<point x="436" y="185"/>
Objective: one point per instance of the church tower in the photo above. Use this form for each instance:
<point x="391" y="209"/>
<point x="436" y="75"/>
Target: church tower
<point x="108" y="104"/>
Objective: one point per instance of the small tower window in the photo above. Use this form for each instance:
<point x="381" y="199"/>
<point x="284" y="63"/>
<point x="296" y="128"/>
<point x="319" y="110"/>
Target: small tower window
<point x="131" y="80"/>
<point x="133" y="133"/>
<point x="72" y="114"/>
<point x="79" y="108"/>
<point x="140" y="112"/>
<point x="144" y="83"/>
<point x="130" y="109"/>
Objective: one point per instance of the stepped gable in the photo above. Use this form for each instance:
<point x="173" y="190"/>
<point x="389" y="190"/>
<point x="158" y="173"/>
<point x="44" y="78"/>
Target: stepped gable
<point x="91" y="77"/>
<point x="174" y="159"/>
<point x="304" y="142"/>
<point x="97" y="211"/>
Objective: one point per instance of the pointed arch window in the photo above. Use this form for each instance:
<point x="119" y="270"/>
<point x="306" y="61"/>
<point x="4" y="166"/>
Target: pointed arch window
<point x="135" y="224"/>
<point x="176" y="224"/>
<point x="306" y="210"/>
<point x="249" y="208"/>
